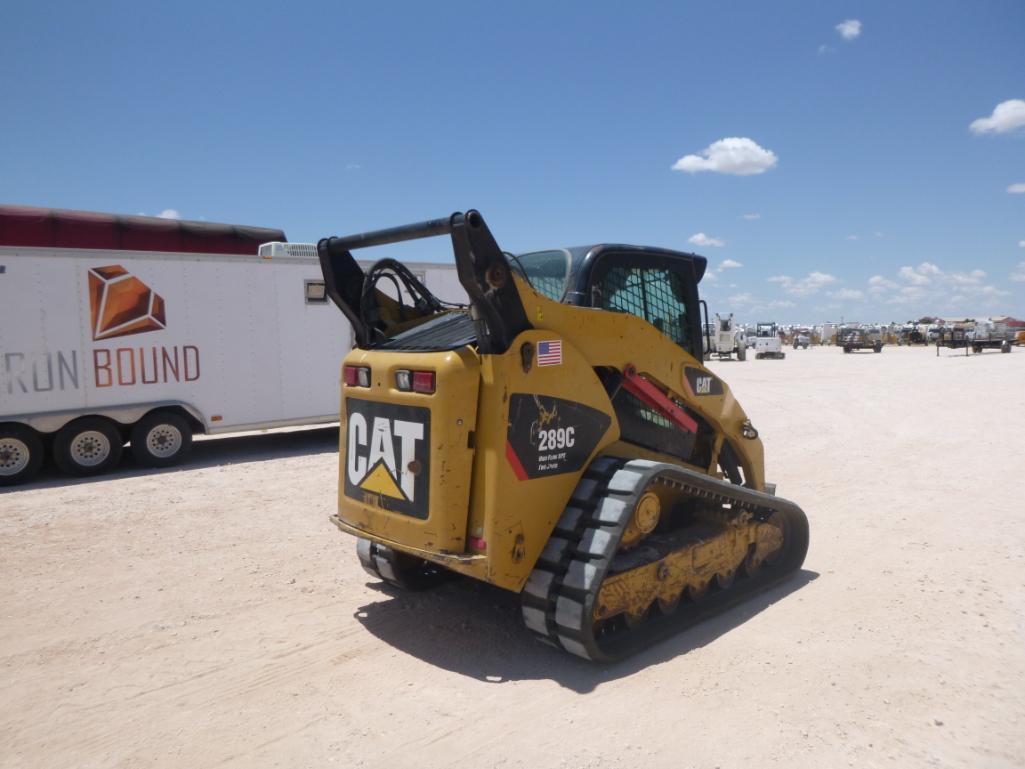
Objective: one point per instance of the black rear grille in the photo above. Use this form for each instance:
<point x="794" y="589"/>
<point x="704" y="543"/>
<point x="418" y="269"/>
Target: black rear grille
<point x="446" y="332"/>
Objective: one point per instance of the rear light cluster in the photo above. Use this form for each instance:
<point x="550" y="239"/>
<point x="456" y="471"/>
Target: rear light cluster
<point x="405" y="380"/>
<point x="356" y="376"/>
<point x="415" y="381"/>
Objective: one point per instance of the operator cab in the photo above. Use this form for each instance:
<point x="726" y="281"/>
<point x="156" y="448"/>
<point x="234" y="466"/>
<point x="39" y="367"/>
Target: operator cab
<point x="658" y="285"/>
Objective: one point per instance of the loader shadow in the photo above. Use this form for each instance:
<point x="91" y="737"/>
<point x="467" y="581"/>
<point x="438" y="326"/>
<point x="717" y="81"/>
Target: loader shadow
<point x="474" y="629"/>
<point x="208" y="452"/>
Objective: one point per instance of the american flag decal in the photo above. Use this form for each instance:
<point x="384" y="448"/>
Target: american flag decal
<point x="549" y="353"/>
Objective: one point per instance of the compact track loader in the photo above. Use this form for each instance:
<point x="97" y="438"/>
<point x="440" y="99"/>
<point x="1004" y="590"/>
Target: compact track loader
<point x="558" y="437"/>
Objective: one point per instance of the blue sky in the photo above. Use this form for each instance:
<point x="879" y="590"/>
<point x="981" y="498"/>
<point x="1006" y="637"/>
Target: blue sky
<point x="561" y="123"/>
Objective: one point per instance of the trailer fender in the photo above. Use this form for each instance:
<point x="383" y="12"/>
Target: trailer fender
<point x="126" y="415"/>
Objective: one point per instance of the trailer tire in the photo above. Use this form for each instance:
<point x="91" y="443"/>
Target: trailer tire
<point x="741" y="352"/>
<point x="21" y="454"/>
<point x="161" y="439"/>
<point x="1005" y="347"/>
<point x="88" y="446"/>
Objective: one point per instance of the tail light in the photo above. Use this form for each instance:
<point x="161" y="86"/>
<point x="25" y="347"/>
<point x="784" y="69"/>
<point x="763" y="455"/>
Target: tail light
<point x="415" y="381"/>
<point x="423" y="382"/>
<point x="356" y="376"/>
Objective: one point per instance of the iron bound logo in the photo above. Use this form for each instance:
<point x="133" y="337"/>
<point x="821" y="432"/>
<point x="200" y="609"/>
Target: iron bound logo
<point x="387" y="456"/>
<point x="120" y="304"/>
<point x="549" y="436"/>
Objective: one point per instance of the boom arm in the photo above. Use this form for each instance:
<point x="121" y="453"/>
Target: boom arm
<point x="482" y="268"/>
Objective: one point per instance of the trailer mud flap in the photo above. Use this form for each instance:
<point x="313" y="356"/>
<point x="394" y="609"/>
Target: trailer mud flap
<point x="388" y="457"/>
<point x="551" y="436"/>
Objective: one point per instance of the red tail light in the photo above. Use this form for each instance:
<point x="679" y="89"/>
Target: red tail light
<point x="356" y="376"/>
<point x="423" y="382"/>
<point x="415" y="381"/>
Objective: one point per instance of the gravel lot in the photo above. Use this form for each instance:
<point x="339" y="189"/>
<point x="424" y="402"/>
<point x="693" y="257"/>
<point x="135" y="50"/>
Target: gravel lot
<point x="212" y="616"/>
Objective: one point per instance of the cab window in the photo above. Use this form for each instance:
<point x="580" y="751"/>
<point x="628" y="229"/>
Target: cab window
<point x="654" y="293"/>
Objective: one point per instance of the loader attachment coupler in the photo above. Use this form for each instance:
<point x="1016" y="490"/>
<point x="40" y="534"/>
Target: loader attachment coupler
<point x="483" y="271"/>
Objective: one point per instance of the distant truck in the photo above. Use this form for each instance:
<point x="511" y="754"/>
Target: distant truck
<point x="728" y="339"/>
<point x="990" y="335"/>
<point x="768" y="342"/>
<point x="859" y="338"/>
<point x="144" y="331"/>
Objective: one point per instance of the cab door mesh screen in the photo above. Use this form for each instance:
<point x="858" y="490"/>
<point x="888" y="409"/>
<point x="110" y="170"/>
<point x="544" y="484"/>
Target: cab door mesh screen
<point x="652" y="293"/>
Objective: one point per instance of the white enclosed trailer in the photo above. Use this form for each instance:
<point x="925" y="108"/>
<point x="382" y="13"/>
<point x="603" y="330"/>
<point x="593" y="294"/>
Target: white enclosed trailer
<point x="102" y="345"/>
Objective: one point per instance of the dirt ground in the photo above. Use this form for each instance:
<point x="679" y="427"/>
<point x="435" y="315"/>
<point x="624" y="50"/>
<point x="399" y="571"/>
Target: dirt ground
<point x="212" y="616"/>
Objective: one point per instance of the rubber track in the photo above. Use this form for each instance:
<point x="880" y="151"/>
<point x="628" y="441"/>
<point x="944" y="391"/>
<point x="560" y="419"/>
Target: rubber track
<point x="399" y="570"/>
<point x="378" y="561"/>
<point x="558" y="599"/>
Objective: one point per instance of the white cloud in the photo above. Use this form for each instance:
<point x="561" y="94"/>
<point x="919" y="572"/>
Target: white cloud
<point x="852" y="237"/>
<point x="824" y="49"/>
<point x="845" y="294"/>
<point x="1017" y="189"/>
<point x="877" y="285"/>
<point x="812" y="283"/>
<point x="1021" y="244"/>
<point x="972" y="278"/>
<point x="1018" y="276"/>
<point x="928" y="283"/>
<point x="751" y="217"/>
<point x="169" y="213"/>
<point x="738" y="156"/>
<point x="911" y="275"/>
<point x="730" y="264"/>
<point x="780" y="304"/>
<point x="878" y="234"/>
<point x="1007" y="116"/>
<point x="701" y="239"/>
<point x="849" y="29"/>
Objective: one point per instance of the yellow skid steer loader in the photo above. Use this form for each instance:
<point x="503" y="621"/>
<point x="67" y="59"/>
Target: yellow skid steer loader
<point x="558" y="437"/>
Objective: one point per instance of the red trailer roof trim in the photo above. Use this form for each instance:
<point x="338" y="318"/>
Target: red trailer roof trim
<point x="57" y="228"/>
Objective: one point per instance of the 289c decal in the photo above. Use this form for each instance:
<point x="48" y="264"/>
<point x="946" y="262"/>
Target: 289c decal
<point x="561" y="438"/>
<point x="550" y="436"/>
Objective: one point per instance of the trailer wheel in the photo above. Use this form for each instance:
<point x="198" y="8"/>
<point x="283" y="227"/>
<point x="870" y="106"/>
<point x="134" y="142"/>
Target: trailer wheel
<point x="1005" y="346"/>
<point x="877" y="348"/>
<point x="21" y="454"/>
<point x="741" y="352"/>
<point x="87" y="446"/>
<point x="161" y="439"/>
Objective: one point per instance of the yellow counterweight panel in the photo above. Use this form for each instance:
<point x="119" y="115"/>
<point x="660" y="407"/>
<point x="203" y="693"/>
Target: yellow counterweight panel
<point x="453" y="418"/>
